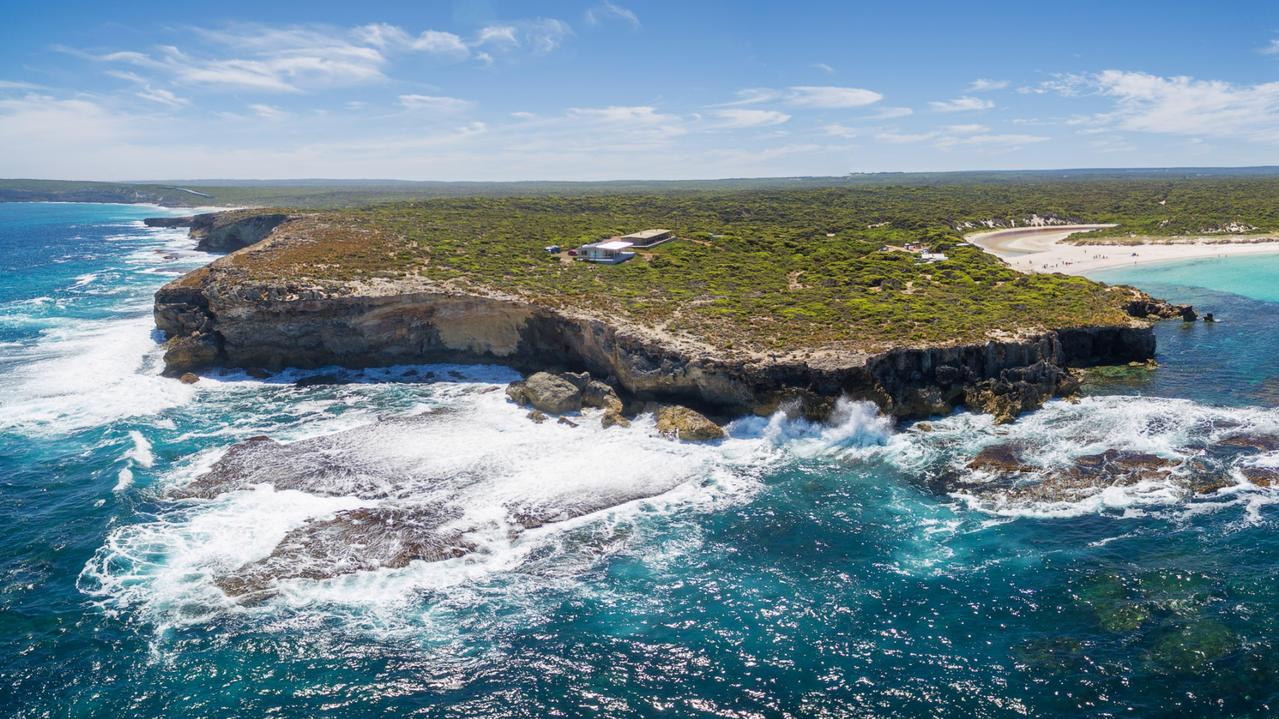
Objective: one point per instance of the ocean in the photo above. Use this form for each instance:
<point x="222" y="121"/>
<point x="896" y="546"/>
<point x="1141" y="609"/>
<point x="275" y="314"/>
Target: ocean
<point x="856" y="569"/>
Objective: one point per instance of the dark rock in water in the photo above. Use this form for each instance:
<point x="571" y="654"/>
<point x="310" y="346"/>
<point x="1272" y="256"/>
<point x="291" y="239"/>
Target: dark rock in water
<point x="1000" y="458"/>
<point x="566" y="421"/>
<point x="189" y="378"/>
<point x="547" y="392"/>
<point x="1255" y="442"/>
<point x="1015" y="480"/>
<point x="307" y="466"/>
<point x="1016" y="390"/>
<point x="1143" y="306"/>
<point x="1261" y="476"/>
<point x="1209" y="318"/>
<point x="357" y="540"/>
<point x="538" y="416"/>
<point x="257" y="373"/>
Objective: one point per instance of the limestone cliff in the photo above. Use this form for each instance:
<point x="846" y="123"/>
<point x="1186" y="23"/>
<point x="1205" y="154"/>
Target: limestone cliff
<point x="224" y="231"/>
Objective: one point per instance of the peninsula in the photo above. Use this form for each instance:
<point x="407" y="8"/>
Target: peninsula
<point x="764" y="297"/>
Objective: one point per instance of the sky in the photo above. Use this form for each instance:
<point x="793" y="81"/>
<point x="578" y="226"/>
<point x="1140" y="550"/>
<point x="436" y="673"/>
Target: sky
<point x="599" y="90"/>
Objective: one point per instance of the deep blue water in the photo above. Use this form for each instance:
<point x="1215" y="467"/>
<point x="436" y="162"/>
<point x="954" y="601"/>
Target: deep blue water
<point x="792" y="570"/>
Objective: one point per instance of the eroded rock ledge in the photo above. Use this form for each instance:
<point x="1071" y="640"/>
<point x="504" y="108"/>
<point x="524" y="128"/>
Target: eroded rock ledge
<point x="224" y="231"/>
<point x="222" y="316"/>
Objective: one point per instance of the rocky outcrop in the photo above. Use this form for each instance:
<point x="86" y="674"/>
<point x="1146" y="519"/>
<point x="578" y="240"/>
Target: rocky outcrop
<point x="686" y="424"/>
<point x="231" y="231"/>
<point x="225" y="231"/>
<point x="546" y="392"/>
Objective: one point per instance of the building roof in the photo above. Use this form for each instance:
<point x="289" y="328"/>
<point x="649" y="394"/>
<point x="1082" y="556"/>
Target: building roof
<point x="612" y="245"/>
<point x="646" y="234"/>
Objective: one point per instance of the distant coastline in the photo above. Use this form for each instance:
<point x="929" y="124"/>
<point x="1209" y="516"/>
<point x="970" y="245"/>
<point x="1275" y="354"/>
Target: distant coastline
<point x="1042" y="249"/>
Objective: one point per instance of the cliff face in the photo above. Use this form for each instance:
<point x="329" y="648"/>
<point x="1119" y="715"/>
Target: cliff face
<point x="215" y="320"/>
<point x="224" y="231"/>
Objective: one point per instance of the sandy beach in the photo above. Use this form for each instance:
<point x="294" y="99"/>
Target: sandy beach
<point x="1040" y="249"/>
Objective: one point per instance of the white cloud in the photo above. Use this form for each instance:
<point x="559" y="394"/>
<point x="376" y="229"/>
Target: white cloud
<point x="434" y="103"/>
<point x="1184" y="106"/>
<point x="1271" y="49"/>
<point x="966" y="129"/>
<point x="15" y="85"/>
<point x="838" y="130"/>
<point x="897" y="138"/>
<point x="503" y="35"/>
<point x="1178" y="105"/>
<point x="752" y="96"/>
<point x="982" y="84"/>
<point x="952" y="136"/>
<point x="734" y="118"/>
<point x="967" y="103"/>
<point x="162" y="96"/>
<point x="890" y="113"/>
<point x="1005" y="141"/>
<point x="824" y="68"/>
<point x="606" y="10"/>
<point x="268" y="112"/>
<point x="829" y="97"/>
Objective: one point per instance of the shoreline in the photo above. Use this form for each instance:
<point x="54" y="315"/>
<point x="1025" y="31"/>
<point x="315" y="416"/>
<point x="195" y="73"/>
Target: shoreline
<point x="1040" y="249"/>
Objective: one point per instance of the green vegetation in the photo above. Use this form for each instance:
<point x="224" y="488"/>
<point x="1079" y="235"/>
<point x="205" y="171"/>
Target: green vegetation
<point x="768" y="265"/>
<point x="763" y="271"/>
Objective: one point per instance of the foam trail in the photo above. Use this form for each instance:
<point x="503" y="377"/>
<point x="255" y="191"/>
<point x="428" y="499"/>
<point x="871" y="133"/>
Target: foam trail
<point x="141" y="450"/>
<point x="124" y="480"/>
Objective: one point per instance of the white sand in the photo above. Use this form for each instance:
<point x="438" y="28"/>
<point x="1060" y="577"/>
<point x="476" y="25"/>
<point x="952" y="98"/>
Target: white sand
<point x="1039" y="249"/>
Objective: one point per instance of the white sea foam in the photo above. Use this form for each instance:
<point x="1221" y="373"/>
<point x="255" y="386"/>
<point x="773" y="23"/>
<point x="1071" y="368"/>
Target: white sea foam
<point x="1052" y="439"/>
<point x="140" y="452"/>
<point x="475" y="451"/>
<point x="88" y="373"/>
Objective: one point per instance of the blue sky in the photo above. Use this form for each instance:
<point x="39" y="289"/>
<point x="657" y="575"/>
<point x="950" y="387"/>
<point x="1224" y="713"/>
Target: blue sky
<point x="488" y="90"/>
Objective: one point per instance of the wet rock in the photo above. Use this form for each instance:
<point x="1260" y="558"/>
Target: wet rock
<point x="614" y="419"/>
<point x="597" y="394"/>
<point x="1016" y="390"/>
<point x="257" y="373"/>
<point x="196" y="351"/>
<point x="1260" y="476"/>
<point x="1209" y="318"/>
<point x="686" y="424"/>
<point x="357" y="540"/>
<point x="566" y="422"/>
<point x="1194" y="647"/>
<point x="189" y="378"/>
<point x="1000" y="458"/>
<point x="1055" y="654"/>
<point x="538" y="416"/>
<point x="1255" y="442"/>
<point x="547" y="392"/>
<point x="308" y="466"/>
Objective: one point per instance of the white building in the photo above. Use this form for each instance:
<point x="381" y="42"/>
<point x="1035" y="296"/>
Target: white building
<point x="609" y="252"/>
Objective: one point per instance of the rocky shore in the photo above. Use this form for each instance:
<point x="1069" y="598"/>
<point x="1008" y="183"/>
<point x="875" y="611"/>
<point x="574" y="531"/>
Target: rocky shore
<point x="223" y="315"/>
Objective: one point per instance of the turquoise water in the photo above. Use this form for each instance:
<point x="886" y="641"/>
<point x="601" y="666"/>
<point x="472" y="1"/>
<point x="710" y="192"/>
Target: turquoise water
<point x="792" y="570"/>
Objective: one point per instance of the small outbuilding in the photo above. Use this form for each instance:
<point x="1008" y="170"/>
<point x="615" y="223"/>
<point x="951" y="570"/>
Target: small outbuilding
<point x="648" y="238"/>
